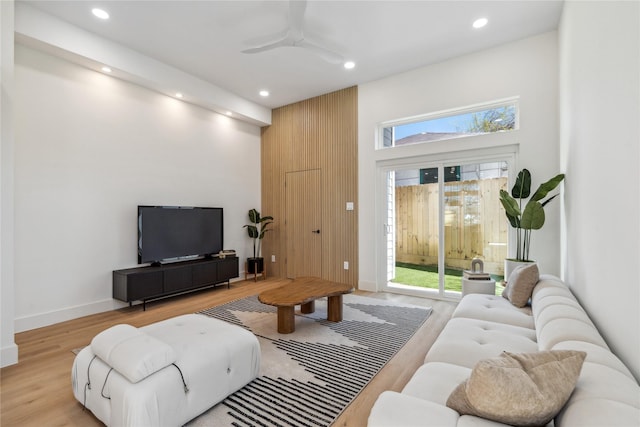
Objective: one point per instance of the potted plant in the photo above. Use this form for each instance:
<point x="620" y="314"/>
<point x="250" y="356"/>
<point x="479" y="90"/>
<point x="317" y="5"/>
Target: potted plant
<point x="257" y="229"/>
<point x="528" y="219"/>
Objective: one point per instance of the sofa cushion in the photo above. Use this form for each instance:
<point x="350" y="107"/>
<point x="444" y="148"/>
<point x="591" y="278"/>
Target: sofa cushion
<point x="521" y="283"/>
<point x="596" y="354"/>
<point x="393" y="409"/>
<point x="472" y="421"/>
<point x="435" y="381"/>
<point x="131" y="352"/>
<point x="558" y="307"/>
<point x="598" y="412"/>
<point x="535" y="385"/>
<point x="560" y="330"/>
<point x="602" y="382"/>
<point x="494" y="308"/>
<point x="465" y="342"/>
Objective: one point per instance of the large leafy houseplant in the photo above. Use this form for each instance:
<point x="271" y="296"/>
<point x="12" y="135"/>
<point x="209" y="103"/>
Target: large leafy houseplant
<point x="532" y="216"/>
<point x="257" y="229"/>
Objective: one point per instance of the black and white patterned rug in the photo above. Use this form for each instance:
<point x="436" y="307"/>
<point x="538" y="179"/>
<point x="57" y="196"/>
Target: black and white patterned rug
<point x="309" y="377"/>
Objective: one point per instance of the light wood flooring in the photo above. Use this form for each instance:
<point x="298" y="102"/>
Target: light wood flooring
<point x="37" y="390"/>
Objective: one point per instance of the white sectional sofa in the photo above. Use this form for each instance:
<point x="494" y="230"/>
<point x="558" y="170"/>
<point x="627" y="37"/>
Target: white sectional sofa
<point x="483" y="326"/>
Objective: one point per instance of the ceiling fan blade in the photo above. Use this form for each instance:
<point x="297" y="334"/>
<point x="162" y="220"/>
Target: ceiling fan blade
<point x="326" y="54"/>
<point x="266" y="39"/>
<point x="294" y="36"/>
<point x="280" y="43"/>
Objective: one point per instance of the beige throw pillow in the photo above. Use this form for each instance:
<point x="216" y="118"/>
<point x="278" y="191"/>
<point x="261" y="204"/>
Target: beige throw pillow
<point x="520" y="284"/>
<point x="519" y="389"/>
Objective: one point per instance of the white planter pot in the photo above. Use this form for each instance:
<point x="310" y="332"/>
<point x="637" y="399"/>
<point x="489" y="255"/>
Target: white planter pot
<point x="510" y="265"/>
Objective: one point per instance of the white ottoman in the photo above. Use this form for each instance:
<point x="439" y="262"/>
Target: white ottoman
<point x="163" y="374"/>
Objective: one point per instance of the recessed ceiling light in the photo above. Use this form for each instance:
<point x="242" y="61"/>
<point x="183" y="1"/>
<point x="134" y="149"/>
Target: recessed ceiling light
<point x="100" y="13"/>
<point x="349" y="65"/>
<point x="264" y="93"/>
<point x="229" y="113"/>
<point x="480" y="22"/>
<point x="178" y="95"/>
<point x="106" y="69"/>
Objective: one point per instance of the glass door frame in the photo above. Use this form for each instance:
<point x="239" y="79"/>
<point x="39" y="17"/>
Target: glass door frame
<point x="507" y="154"/>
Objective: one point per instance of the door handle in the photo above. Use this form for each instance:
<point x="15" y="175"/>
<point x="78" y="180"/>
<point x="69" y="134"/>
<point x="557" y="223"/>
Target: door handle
<point x="316" y="231"/>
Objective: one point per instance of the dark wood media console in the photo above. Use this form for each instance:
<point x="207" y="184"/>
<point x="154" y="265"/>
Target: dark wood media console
<point x="150" y="283"/>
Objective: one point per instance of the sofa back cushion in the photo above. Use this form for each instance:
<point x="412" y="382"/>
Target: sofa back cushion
<point x="559" y="317"/>
<point x="606" y="392"/>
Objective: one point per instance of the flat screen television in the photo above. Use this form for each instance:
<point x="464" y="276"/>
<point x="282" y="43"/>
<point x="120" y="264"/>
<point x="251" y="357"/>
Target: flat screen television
<point x="172" y="233"/>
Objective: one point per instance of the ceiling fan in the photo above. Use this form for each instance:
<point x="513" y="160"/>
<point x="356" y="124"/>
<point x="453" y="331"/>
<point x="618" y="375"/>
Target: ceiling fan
<point x="293" y="36"/>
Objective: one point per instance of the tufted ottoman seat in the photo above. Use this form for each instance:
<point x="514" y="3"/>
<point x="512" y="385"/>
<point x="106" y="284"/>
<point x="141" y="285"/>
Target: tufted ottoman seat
<point x="166" y="373"/>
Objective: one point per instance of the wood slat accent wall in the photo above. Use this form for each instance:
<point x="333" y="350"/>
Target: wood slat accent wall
<point x="318" y="133"/>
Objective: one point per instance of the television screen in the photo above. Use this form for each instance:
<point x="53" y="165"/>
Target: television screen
<point x="174" y="232"/>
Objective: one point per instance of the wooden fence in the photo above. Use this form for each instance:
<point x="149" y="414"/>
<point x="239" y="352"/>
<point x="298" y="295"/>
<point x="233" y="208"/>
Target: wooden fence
<point x="475" y="224"/>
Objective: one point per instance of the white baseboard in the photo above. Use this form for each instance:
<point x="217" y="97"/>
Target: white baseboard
<point x="49" y="318"/>
<point x="39" y="320"/>
<point x="8" y="355"/>
<point x="27" y="323"/>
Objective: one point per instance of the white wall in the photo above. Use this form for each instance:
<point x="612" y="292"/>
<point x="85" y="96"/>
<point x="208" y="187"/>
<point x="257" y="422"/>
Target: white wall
<point x="526" y="68"/>
<point x="600" y="151"/>
<point x="8" y="348"/>
<point x="89" y="149"/>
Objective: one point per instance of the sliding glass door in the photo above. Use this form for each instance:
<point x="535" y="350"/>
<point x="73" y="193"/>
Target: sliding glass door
<point x="437" y="218"/>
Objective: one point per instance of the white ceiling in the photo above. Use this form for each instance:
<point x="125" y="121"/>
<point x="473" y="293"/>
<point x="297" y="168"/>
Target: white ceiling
<point x="205" y="38"/>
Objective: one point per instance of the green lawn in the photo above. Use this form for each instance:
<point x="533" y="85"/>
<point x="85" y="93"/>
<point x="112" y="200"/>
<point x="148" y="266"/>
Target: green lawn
<point x="426" y="276"/>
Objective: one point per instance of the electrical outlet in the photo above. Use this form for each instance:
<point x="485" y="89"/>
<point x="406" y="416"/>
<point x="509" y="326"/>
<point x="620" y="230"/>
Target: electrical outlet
<point x="346" y="265"/>
<point x="273" y="258"/>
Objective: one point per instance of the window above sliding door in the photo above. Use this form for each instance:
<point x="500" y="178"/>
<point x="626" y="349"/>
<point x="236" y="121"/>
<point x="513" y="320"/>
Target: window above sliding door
<point x="499" y="116"/>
